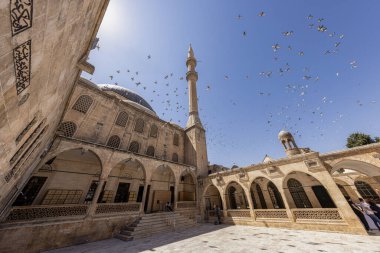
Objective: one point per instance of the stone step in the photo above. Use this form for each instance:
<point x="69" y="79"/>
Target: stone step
<point x="124" y="237"/>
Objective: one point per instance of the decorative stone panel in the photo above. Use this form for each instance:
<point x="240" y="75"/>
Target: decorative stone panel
<point x="41" y="212"/>
<point x="117" y="208"/>
<point x="22" y="59"/>
<point x="239" y="213"/>
<point x="267" y="214"/>
<point x="325" y="215"/>
<point x="21" y="13"/>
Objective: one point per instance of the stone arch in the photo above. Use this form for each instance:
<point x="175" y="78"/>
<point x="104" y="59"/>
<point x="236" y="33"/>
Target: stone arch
<point x="69" y="177"/>
<point x="303" y="190"/>
<point x="186" y="186"/>
<point x="236" y="197"/>
<point x="346" y="189"/>
<point x="265" y="194"/>
<point x="356" y="165"/>
<point x="125" y="182"/>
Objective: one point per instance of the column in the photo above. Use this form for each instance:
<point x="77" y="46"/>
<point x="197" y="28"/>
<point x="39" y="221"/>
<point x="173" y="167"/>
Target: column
<point x="250" y="203"/>
<point x="92" y="207"/>
<point x="278" y="183"/>
<point x="144" y="197"/>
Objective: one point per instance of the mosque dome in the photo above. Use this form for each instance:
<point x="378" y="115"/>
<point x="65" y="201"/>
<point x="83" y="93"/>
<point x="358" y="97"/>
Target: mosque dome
<point x="126" y="93"/>
<point x="284" y="135"/>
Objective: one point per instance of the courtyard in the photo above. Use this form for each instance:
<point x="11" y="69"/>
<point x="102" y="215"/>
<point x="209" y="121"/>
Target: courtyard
<point x="211" y="238"/>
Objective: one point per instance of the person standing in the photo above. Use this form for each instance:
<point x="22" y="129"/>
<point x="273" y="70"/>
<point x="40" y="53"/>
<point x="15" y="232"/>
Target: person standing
<point x="218" y="214"/>
<point x="375" y="208"/>
<point x="358" y="213"/>
<point x="367" y="209"/>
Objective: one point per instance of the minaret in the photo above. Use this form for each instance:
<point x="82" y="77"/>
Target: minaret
<point x="192" y="78"/>
<point x="289" y="144"/>
<point x="195" y="142"/>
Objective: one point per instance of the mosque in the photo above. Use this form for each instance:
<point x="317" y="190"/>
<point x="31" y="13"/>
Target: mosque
<point x="82" y="161"/>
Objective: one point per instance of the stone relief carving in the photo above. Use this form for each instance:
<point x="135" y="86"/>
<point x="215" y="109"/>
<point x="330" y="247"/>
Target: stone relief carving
<point x="21" y="13"/>
<point x="21" y="58"/>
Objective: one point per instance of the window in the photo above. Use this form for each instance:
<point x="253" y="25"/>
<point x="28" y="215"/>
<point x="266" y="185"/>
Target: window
<point x="30" y="191"/>
<point x="298" y="194"/>
<point x="275" y="196"/>
<point x="83" y="104"/>
<point x="175" y="157"/>
<point x="122" y="193"/>
<point x="68" y="128"/>
<point x="231" y="196"/>
<point x="113" y="141"/>
<point x="91" y="191"/>
<point x="134" y="147"/>
<point x="365" y="190"/>
<point x="261" y="197"/>
<point x="139" y="127"/>
<point x="153" y="131"/>
<point x="58" y="197"/>
<point x="122" y="119"/>
<point x="176" y="139"/>
<point x="150" y="151"/>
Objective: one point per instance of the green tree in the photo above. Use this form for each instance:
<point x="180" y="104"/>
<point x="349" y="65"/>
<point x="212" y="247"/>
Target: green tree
<point x="360" y="139"/>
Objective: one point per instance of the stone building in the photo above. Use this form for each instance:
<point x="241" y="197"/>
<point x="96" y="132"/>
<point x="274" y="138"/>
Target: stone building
<point x="83" y="161"/>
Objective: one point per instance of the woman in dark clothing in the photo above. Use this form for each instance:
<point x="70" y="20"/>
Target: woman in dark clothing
<point x="375" y="208"/>
<point x="358" y="213"/>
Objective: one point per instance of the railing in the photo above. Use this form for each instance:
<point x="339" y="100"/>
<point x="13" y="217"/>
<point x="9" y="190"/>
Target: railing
<point x="271" y="214"/>
<point x="317" y="215"/>
<point x="117" y="208"/>
<point x="25" y="213"/>
<point x="186" y="204"/>
<point x="242" y="213"/>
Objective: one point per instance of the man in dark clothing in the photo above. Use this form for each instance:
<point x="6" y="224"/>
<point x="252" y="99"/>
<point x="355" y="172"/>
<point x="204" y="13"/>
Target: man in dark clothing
<point x="218" y="213"/>
<point x="358" y="213"/>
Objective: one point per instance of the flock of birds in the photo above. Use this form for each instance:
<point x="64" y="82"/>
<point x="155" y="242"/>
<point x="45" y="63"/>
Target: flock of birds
<point x="174" y="93"/>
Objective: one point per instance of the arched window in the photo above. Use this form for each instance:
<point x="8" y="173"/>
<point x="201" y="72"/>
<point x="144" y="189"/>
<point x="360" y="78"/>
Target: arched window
<point x="150" y="151"/>
<point x="134" y="147"/>
<point x="122" y="119"/>
<point x="175" y="157"/>
<point x="68" y="128"/>
<point x="153" y="131"/>
<point x="113" y="141"/>
<point x="365" y="190"/>
<point x="83" y="104"/>
<point x="298" y="194"/>
<point x="232" y="198"/>
<point x="176" y="139"/>
<point x="275" y="196"/>
<point x="261" y="197"/>
<point x="139" y="127"/>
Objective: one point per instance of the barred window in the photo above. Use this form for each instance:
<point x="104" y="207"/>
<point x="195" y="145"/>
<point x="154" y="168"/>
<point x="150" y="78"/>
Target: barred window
<point x="58" y="197"/>
<point x="153" y="131"/>
<point x="134" y="147"/>
<point x="68" y="128"/>
<point x="275" y="196"/>
<point x="366" y="190"/>
<point x="150" y="151"/>
<point x="122" y="119"/>
<point x="298" y="194"/>
<point x="176" y="139"/>
<point x="175" y="157"/>
<point x="83" y="104"/>
<point x="114" y="141"/>
<point x="139" y="127"/>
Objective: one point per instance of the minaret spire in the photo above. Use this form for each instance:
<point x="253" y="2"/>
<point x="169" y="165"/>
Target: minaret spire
<point x="192" y="77"/>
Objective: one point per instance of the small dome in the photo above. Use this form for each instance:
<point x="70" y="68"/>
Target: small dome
<point x="284" y="135"/>
<point x="128" y="94"/>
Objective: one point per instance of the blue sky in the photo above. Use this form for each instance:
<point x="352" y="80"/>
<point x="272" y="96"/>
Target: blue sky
<point x="243" y="110"/>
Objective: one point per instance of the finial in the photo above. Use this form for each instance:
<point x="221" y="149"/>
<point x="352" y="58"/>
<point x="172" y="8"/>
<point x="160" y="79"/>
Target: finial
<point x="190" y="54"/>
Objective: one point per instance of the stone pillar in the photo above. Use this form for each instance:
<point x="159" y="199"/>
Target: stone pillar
<point x="176" y="186"/>
<point x="144" y="197"/>
<point x="250" y="203"/>
<point x="341" y="203"/>
<point x="278" y="183"/>
<point x="92" y="207"/>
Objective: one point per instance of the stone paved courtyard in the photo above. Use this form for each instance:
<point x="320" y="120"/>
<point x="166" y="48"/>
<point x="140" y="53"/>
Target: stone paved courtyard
<point x="211" y="238"/>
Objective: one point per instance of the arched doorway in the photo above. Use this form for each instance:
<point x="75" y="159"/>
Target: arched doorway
<point x="162" y="189"/>
<point x="236" y="198"/>
<point x="71" y="177"/>
<point x="304" y="191"/>
<point x="211" y="198"/>
<point x="125" y="183"/>
<point x="186" y="187"/>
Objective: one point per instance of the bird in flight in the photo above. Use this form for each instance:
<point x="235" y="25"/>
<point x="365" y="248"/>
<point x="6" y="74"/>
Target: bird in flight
<point x="261" y="14"/>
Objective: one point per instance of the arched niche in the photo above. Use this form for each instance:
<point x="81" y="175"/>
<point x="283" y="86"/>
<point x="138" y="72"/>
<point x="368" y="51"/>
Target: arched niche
<point x="186" y="187"/>
<point x="70" y="177"/>
<point x="265" y="195"/>
<point x="235" y="195"/>
<point x="125" y="183"/>
<point x="304" y="191"/>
